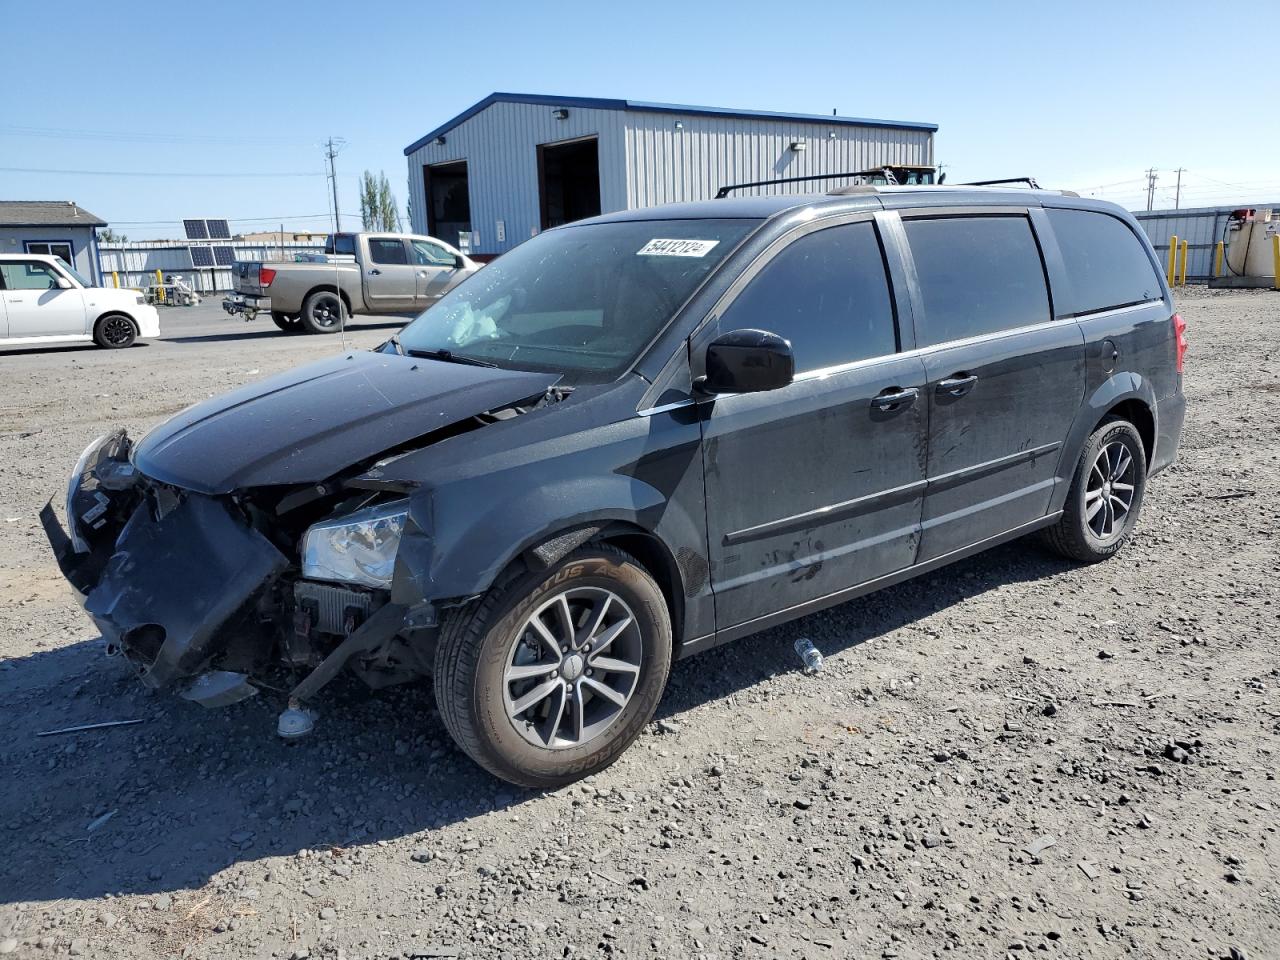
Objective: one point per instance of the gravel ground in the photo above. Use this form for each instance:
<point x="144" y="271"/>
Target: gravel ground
<point x="1008" y="756"/>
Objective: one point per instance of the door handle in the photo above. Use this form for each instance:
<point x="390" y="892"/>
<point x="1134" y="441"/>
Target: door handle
<point x="895" y="397"/>
<point x="957" y="385"/>
<point x="375" y="272"/>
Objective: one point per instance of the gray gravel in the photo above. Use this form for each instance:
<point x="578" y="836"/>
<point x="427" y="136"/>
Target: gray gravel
<point x="1011" y="756"/>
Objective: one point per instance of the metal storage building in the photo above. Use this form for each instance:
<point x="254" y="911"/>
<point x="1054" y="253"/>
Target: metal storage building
<point x="515" y="163"/>
<point x="57" y="227"/>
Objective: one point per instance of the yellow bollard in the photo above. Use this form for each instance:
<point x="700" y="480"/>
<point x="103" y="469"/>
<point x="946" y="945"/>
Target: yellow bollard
<point x="159" y="286"/>
<point x="1182" y="265"/>
<point x="1275" y="257"/>
<point x="115" y="279"/>
<point x="1218" y="253"/>
<point x="1169" y="274"/>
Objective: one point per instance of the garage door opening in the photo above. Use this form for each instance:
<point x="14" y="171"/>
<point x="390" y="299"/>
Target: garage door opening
<point x="569" y="181"/>
<point x="448" y="200"/>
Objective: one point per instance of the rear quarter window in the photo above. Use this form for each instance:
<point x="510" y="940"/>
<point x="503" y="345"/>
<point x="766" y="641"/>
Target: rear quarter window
<point x="978" y="275"/>
<point x="1107" y="265"/>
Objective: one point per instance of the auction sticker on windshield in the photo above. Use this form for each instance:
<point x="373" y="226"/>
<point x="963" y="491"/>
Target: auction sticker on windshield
<point x="676" y="248"/>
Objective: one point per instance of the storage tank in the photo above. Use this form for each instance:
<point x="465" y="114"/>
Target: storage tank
<point x="1249" y="246"/>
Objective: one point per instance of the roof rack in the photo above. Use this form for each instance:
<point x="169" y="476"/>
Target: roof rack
<point x="1029" y="181"/>
<point x="725" y="191"/>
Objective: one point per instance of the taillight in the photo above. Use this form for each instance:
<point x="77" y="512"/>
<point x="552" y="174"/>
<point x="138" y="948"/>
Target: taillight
<point x="266" y="275"/>
<point x="1180" y="335"/>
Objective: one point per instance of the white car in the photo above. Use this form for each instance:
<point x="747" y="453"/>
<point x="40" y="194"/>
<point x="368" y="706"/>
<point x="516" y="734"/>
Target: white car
<point x="42" y="300"/>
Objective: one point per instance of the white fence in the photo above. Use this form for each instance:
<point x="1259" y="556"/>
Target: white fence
<point x="135" y="264"/>
<point x="1201" y="227"/>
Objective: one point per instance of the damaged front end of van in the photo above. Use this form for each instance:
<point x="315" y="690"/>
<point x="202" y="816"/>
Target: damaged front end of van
<point x="222" y="558"/>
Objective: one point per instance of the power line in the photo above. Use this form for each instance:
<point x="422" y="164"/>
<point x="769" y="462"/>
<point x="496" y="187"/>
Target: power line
<point x="133" y="137"/>
<point x="157" y="173"/>
<point x="275" y="219"/>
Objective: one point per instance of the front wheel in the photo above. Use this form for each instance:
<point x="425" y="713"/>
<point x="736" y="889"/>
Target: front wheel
<point x="115" y="331"/>
<point x="323" y="312"/>
<point x="549" y="676"/>
<point x="1105" y="497"/>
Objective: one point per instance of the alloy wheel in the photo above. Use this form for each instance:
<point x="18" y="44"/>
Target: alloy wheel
<point x="327" y="310"/>
<point x="573" y="668"/>
<point x="117" y="331"/>
<point x="1108" y="496"/>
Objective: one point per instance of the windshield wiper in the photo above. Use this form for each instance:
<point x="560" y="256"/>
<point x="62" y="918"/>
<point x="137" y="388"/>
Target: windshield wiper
<point x="448" y="356"/>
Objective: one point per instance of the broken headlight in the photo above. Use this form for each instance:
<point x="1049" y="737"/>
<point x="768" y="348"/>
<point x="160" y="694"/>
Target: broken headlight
<point x="358" y="548"/>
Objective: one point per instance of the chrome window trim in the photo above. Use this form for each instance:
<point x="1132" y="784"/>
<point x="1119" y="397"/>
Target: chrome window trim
<point x="666" y="407"/>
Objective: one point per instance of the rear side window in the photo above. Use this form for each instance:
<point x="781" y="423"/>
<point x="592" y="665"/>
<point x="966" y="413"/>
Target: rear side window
<point x="978" y="275"/>
<point x="383" y="250"/>
<point x="341" y="243"/>
<point x="828" y="294"/>
<point x="1107" y="265"/>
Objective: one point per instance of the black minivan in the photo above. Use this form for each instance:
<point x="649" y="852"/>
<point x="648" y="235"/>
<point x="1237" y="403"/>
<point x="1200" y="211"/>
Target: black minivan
<point x="633" y="438"/>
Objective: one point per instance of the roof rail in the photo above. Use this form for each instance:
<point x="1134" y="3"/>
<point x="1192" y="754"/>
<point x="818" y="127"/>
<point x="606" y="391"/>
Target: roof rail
<point x="725" y="191"/>
<point x="1029" y="181"/>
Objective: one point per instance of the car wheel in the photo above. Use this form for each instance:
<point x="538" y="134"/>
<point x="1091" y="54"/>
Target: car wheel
<point x="549" y="676"/>
<point x="1105" y="497"/>
<point x="115" y="331"/>
<point x="289" y="323"/>
<point x="323" y="312"/>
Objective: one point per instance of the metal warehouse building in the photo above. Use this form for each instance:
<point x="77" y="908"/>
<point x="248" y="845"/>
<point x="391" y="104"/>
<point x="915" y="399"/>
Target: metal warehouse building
<point x="516" y="163"/>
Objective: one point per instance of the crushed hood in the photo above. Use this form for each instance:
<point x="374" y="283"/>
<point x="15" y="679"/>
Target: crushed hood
<point x="305" y="425"/>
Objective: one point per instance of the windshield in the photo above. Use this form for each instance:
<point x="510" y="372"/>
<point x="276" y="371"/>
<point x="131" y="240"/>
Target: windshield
<point x="74" y="272"/>
<point x="582" y="301"/>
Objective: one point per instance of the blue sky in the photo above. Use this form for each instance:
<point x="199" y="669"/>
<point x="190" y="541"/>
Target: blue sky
<point x="1086" y="95"/>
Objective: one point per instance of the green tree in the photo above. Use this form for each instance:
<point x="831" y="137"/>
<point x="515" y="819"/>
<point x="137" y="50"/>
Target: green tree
<point x="377" y="203"/>
<point x="110" y="236"/>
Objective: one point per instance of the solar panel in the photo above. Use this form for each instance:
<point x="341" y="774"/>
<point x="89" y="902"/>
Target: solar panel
<point x="196" y="229"/>
<point x="225" y="256"/>
<point x="218" y="230"/>
<point x="202" y="256"/>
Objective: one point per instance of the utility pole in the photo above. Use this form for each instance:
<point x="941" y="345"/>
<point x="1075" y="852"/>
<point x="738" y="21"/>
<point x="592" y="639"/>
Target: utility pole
<point x="1177" y="190"/>
<point x="332" y="146"/>
<point x="1151" y="187"/>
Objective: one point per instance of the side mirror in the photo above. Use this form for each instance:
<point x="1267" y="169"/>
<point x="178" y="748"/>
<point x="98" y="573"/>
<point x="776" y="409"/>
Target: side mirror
<point x="747" y="361"/>
<point x="459" y="262"/>
<point x="63" y="283"/>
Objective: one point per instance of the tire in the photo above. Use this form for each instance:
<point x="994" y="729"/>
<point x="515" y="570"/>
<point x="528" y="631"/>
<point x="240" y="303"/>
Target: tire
<point x="115" y="331"/>
<point x="323" y="312"/>
<point x="289" y="323"/>
<point x="1102" y="475"/>
<point x="484" y="641"/>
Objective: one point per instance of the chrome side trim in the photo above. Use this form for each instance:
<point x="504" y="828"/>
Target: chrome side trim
<point x="835" y="511"/>
<point x="964" y="474"/>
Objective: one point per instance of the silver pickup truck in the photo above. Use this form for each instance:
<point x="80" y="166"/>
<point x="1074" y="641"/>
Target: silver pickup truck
<point x="366" y="273"/>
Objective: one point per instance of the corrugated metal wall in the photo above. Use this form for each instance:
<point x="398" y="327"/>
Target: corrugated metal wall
<point x="137" y="263"/>
<point x="666" y="164"/>
<point x="644" y="158"/>
<point x="1201" y="227"/>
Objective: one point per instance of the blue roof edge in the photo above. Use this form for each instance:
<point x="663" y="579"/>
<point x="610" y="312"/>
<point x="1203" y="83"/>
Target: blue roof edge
<point x="640" y="106"/>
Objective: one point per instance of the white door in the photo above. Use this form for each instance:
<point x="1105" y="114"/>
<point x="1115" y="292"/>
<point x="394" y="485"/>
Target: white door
<point x="437" y="269"/>
<point x="36" y="305"/>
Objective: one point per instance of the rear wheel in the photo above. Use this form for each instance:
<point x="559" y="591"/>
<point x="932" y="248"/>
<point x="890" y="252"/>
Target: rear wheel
<point x="289" y="323"/>
<point x="552" y="674"/>
<point x="1105" y="497"/>
<point x="323" y="312"/>
<point x="115" y="331"/>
